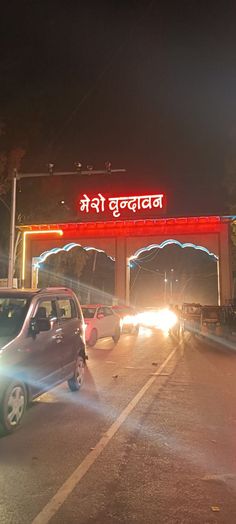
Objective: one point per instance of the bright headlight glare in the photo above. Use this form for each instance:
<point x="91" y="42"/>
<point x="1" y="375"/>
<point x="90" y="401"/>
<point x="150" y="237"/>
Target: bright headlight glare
<point x="166" y="319"/>
<point x="148" y="318"/>
<point x="128" y="319"/>
<point x="163" y="319"/>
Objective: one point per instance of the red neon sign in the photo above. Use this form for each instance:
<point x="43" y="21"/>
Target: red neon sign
<point x="116" y="205"/>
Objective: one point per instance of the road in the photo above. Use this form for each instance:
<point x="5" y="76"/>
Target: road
<point x="150" y="438"/>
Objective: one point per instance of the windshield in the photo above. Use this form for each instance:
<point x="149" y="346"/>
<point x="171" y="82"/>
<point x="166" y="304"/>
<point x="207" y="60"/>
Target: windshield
<point x="88" y="312"/>
<point x="212" y="314"/>
<point x="124" y="310"/>
<point x="12" y="315"/>
<point x="192" y="309"/>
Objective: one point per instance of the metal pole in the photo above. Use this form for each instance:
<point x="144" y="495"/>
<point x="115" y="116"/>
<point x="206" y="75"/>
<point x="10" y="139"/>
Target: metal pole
<point x="127" y="282"/>
<point x="219" y="282"/>
<point x="165" y="281"/>
<point x="70" y="173"/>
<point x="92" y="278"/>
<point x="12" y="232"/>
<point x="171" y="285"/>
<point x="16" y="247"/>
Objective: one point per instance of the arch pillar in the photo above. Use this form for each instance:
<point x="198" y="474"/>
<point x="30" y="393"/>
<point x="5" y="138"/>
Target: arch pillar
<point x="122" y="271"/>
<point x="224" y="266"/>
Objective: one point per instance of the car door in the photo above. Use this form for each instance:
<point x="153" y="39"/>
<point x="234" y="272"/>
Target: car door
<point x="70" y="321"/>
<point x="111" y="321"/>
<point x="101" y="322"/>
<point x="44" y="361"/>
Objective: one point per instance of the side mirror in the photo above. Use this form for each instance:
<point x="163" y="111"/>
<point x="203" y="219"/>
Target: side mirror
<point x="39" y="324"/>
<point x="100" y="315"/>
<point x="44" y="324"/>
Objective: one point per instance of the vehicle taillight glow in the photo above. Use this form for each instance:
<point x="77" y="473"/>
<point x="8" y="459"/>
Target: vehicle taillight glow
<point x="163" y="319"/>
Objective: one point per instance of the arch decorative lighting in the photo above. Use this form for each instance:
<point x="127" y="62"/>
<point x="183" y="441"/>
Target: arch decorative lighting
<point x="66" y="249"/>
<point x="171" y="241"/>
<point x="168" y="242"/>
<point x="37" y="232"/>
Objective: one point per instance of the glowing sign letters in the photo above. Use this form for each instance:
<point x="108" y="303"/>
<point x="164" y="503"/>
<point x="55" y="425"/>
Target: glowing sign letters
<point x="117" y="204"/>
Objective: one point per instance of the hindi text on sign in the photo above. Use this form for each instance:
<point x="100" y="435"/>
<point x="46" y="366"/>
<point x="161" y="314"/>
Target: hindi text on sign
<point x="117" y="204"/>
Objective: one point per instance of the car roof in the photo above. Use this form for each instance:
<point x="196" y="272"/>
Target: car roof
<point x="94" y="305"/>
<point x="15" y="293"/>
<point x="191" y="304"/>
<point x="28" y="293"/>
<point x="207" y="308"/>
<point x="124" y="306"/>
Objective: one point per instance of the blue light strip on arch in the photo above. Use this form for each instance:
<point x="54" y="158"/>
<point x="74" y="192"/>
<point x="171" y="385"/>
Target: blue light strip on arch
<point x="65" y="248"/>
<point x="171" y="241"/>
<point x="168" y="242"/>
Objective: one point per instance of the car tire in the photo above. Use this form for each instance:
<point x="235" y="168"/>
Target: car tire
<point x="93" y="338"/>
<point x="116" y="335"/>
<point x="13" y="406"/>
<point x="77" y="380"/>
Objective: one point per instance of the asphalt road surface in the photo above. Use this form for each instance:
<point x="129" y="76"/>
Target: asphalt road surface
<point x="150" y="438"/>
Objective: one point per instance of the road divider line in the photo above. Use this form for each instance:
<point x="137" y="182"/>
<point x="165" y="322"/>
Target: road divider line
<point x="65" y="490"/>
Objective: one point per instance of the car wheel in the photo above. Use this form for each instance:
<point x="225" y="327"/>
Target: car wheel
<point x="116" y="335"/>
<point x="93" y="338"/>
<point x="13" y="406"/>
<point x="76" y="381"/>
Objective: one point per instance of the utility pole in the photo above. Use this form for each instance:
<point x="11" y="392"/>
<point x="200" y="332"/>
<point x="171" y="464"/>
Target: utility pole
<point x="93" y="271"/>
<point x="12" y="231"/>
<point x="18" y="176"/>
<point x="171" y="285"/>
<point x="165" y="286"/>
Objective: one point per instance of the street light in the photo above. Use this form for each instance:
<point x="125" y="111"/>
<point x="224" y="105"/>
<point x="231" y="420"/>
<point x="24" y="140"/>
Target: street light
<point x="18" y="176"/>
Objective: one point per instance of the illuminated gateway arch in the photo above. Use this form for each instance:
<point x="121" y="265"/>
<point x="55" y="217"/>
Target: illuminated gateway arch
<point x="124" y="237"/>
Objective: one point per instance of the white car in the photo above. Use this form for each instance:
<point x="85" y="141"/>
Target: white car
<point x="100" y="322"/>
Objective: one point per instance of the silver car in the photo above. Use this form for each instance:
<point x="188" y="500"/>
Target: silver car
<point x="42" y="344"/>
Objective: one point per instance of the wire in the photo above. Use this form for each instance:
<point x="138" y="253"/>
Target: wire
<point x="202" y="275"/>
<point x="148" y="257"/>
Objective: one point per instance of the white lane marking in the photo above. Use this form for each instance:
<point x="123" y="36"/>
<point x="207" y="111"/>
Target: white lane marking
<point x="64" y="491"/>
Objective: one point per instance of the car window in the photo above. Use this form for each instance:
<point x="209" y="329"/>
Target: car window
<point x="67" y="308"/>
<point x="13" y="311"/>
<point x="47" y="309"/>
<point x="211" y="314"/>
<point x="124" y="311"/>
<point x="88" y="312"/>
<point x="101" y="311"/>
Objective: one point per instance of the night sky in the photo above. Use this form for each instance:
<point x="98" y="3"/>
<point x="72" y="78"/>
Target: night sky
<point x="148" y="85"/>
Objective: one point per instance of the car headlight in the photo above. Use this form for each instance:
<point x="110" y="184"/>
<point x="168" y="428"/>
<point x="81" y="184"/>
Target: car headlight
<point x="129" y="319"/>
<point x="166" y="319"/>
